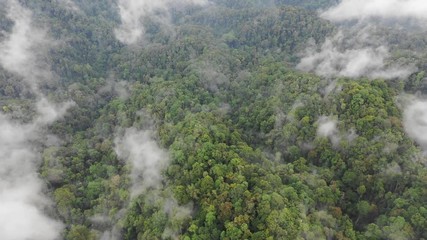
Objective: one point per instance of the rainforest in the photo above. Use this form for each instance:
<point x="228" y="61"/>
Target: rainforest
<point x="213" y="119"/>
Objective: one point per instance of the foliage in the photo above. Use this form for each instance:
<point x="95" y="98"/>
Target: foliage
<point x="240" y="126"/>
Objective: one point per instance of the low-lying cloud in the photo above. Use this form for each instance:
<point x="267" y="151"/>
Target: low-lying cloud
<point x="146" y="158"/>
<point x="359" y="60"/>
<point x="365" y="9"/>
<point x="24" y="50"/>
<point x="327" y="127"/>
<point x="358" y="50"/>
<point x="22" y="202"/>
<point x="18" y="52"/>
<point x="21" y="199"/>
<point x="148" y="161"/>
<point x="133" y="12"/>
<point x="415" y="121"/>
<point x="177" y="215"/>
<point x="120" y="89"/>
<point x="69" y="5"/>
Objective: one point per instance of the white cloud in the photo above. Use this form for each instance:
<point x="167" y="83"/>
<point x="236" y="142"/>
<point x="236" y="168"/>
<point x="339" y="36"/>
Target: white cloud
<point x="21" y="51"/>
<point x="148" y="161"/>
<point x="121" y="89"/>
<point x="359" y="50"/>
<point x="50" y="112"/>
<point x="69" y="5"/>
<point x="22" y="203"/>
<point x="365" y="9"/>
<point x="354" y="58"/>
<point x="415" y="121"/>
<point x="146" y="158"/>
<point x="21" y="198"/>
<point x="327" y="127"/>
<point x="132" y="13"/>
<point x="21" y="218"/>
<point x="177" y="215"/>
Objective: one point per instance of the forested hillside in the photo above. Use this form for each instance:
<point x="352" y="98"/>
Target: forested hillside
<point x="212" y="119"/>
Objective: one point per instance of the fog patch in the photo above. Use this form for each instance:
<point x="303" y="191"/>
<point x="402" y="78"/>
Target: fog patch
<point x="366" y="9"/>
<point x="50" y="112"/>
<point x="351" y="135"/>
<point x="415" y="121"/>
<point x="133" y="12"/>
<point x="393" y="169"/>
<point x="327" y="127"/>
<point x="22" y="202"/>
<point x="178" y="214"/>
<point x="332" y="87"/>
<point x="69" y="5"/>
<point x="23" y="205"/>
<point x="358" y="49"/>
<point x="120" y="89"/>
<point x="146" y="158"/>
<point x="17" y="51"/>
<point x="210" y="75"/>
<point x="148" y="161"/>
<point x="353" y="57"/>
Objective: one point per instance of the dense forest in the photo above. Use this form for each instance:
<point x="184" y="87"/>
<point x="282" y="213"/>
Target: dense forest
<point x="219" y="119"/>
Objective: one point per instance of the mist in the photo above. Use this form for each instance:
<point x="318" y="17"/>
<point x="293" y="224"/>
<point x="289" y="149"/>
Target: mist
<point x="121" y="89"/>
<point x="23" y="47"/>
<point x="148" y="161"/>
<point x="178" y="214"/>
<point x="358" y="49"/>
<point x="133" y="12"/>
<point x="327" y="127"/>
<point x="21" y="190"/>
<point x="366" y="9"/>
<point x="415" y="121"/>
<point x="146" y="158"/>
<point x="360" y="60"/>
<point x="23" y="205"/>
<point x="69" y="5"/>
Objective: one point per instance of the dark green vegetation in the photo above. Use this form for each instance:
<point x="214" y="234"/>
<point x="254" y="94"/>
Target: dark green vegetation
<point x="240" y="127"/>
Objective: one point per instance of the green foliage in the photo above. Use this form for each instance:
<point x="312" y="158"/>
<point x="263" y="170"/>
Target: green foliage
<point x="79" y="232"/>
<point x="240" y="126"/>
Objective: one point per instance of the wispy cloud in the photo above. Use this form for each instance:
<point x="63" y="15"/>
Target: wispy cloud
<point x="69" y="5"/>
<point x="145" y="157"/>
<point x="133" y="12"/>
<point x="327" y="127"/>
<point x="21" y="198"/>
<point x="415" y="121"/>
<point x="358" y="50"/>
<point x="148" y="161"/>
<point x="365" y="9"/>
<point x="352" y="57"/>
<point x="23" y="53"/>
<point x="21" y="49"/>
